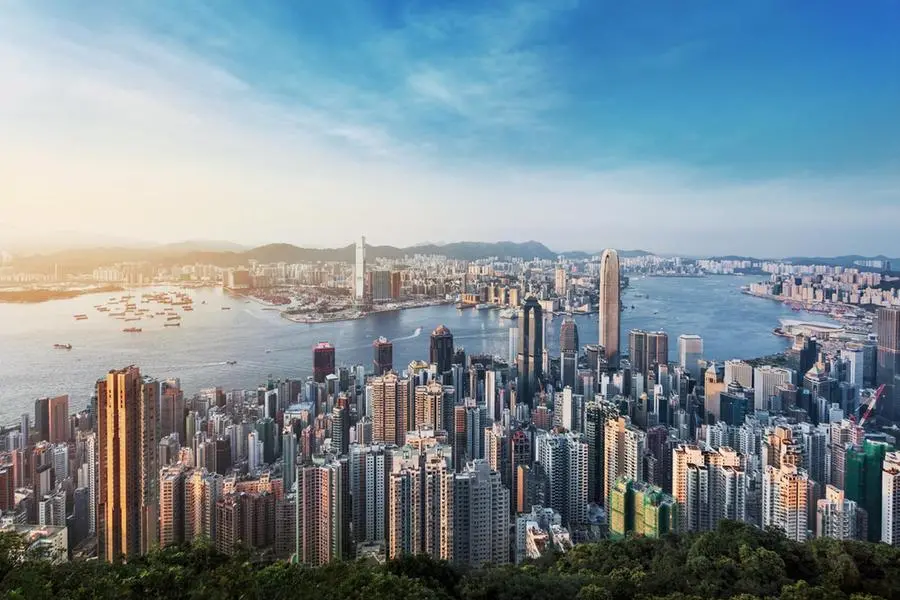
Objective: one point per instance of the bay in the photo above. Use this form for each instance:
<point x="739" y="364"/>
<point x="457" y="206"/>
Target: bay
<point x="732" y="324"/>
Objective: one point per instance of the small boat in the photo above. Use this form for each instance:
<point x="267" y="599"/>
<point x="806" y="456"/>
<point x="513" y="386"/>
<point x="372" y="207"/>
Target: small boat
<point x="226" y="308"/>
<point x="80" y="317"/>
<point x="63" y="346"/>
<point x="230" y="362"/>
<point x="132" y="330"/>
<point x="173" y="324"/>
<point x="267" y="351"/>
<point x="173" y="318"/>
<point x="133" y="319"/>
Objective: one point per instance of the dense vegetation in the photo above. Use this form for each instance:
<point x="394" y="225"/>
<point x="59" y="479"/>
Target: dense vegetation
<point x="736" y="561"/>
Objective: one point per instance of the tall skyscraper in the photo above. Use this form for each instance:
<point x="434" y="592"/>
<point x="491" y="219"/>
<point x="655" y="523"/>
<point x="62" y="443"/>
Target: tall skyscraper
<point x="323" y="512"/>
<point x="708" y="485"/>
<point x="530" y="352"/>
<point x="610" y="307"/>
<point x="638" y="508"/>
<point x="740" y="372"/>
<point x="690" y="351"/>
<point x="887" y="371"/>
<point x="390" y="395"/>
<point x="59" y="419"/>
<point x="171" y="505"/>
<point x="513" y="344"/>
<point x="785" y="500"/>
<point x="323" y="361"/>
<point x="126" y="432"/>
<point x="42" y="419"/>
<point x="480" y="516"/>
<point x="839" y="518"/>
<point x="370" y="467"/>
<point x="359" y="275"/>
<point x="383" y="356"/>
<point x="568" y="348"/>
<point x="596" y="415"/>
<point x="863" y="481"/>
<point x="765" y="379"/>
<point x="647" y="350"/>
<point x="560" y="282"/>
<point x="563" y="458"/>
<point x="441" y="349"/>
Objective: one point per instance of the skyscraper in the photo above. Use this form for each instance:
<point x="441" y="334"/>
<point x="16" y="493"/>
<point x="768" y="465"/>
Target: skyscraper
<point x="610" y="307"/>
<point x="839" y="518"/>
<point x="638" y="508"/>
<point x="740" y="372"/>
<point x="126" y="432"/>
<point x="890" y="503"/>
<point x="42" y="419"/>
<point x="530" y="352"/>
<point x="887" y="371"/>
<point x="708" y="485"/>
<point x="441" y="349"/>
<point x="568" y="347"/>
<point x="59" y="419"/>
<point x="480" y="516"/>
<point x="323" y="361"/>
<point x="390" y="395"/>
<point x="359" y="275"/>
<point x="323" y="512"/>
<point x="647" y="350"/>
<point x="563" y="457"/>
<point x="382" y="356"/>
<point x="690" y="351"/>
<point x="171" y="505"/>
<point x="785" y="501"/>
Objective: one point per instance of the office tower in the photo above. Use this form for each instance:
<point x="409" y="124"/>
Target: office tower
<point x="854" y="358"/>
<point x="708" y="485"/>
<point x="369" y="470"/>
<point x="890" y="503"/>
<point x="530" y="351"/>
<point x="809" y="353"/>
<point x="734" y="405"/>
<point x="568" y="347"/>
<point x="171" y="410"/>
<point x="323" y="361"/>
<point x="519" y="457"/>
<point x="563" y="460"/>
<point x="42" y="419"/>
<point x="624" y="446"/>
<point x="381" y="286"/>
<point x="839" y="518"/>
<point x="513" y="345"/>
<point x="323" y="512"/>
<point x="740" y="372"/>
<point x="596" y="415"/>
<point x="765" y="379"/>
<point x="560" y="281"/>
<point x="690" y="351"/>
<point x="359" y="275"/>
<point x="254" y="451"/>
<point x="494" y="402"/>
<point x="58" y="430"/>
<point x="383" y="356"/>
<point x="713" y="385"/>
<point x="785" y="500"/>
<point x="819" y="384"/>
<point x="480" y="517"/>
<point x="638" y="508"/>
<point x="289" y="459"/>
<point x="171" y="506"/>
<point x="420" y="504"/>
<point x="126" y="433"/>
<point x="647" y="350"/>
<point x="87" y="475"/>
<point x="863" y="480"/>
<point x="389" y="403"/>
<point x="267" y="431"/>
<point x="340" y="426"/>
<point x="887" y="371"/>
<point x="610" y="307"/>
<point x="441" y="349"/>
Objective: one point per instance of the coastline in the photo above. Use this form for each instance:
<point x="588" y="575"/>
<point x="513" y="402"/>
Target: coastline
<point x="36" y="296"/>
<point x="317" y="318"/>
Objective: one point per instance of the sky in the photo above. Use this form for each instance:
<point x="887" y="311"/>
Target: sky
<point x="757" y="127"/>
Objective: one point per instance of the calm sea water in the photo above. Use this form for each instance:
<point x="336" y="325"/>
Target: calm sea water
<point x="732" y="325"/>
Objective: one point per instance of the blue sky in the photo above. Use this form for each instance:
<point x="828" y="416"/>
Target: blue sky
<point x="759" y="127"/>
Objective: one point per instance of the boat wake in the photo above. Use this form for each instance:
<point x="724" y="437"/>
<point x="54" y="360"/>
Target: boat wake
<point x="414" y="334"/>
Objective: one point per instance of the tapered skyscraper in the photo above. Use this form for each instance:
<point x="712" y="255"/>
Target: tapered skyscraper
<point x="359" y="273"/>
<point x="610" y="306"/>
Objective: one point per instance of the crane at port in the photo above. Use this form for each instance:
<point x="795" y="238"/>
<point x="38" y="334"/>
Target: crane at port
<point x="870" y="405"/>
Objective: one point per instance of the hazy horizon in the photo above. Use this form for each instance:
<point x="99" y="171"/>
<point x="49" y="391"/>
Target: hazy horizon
<point x="761" y="129"/>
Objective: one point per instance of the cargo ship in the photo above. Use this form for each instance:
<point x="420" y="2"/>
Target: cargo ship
<point x="176" y="324"/>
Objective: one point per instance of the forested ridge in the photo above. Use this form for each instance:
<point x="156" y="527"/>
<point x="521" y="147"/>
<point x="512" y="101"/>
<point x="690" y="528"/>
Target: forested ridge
<point x="735" y="561"/>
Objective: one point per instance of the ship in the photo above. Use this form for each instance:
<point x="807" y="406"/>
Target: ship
<point x="226" y="308"/>
<point x="509" y="313"/>
<point x="172" y="324"/>
<point x="484" y="306"/>
<point x="230" y="362"/>
<point x="80" y="317"/>
<point x="132" y="330"/>
<point x="173" y="318"/>
<point x="63" y="346"/>
<point x="132" y="319"/>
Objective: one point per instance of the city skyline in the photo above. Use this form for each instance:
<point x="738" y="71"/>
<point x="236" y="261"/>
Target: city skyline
<point x="164" y="110"/>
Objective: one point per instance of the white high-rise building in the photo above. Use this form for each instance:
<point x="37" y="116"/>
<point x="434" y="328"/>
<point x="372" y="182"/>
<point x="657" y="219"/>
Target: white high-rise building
<point x="708" y="485"/>
<point x="513" y="344"/>
<point x="890" y="499"/>
<point x="359" y="275"/>
<point x="854" y="356"/>
<point x="690" y="351"/>
<point x="254" y="451"/>
<point x="623" y="452"/>
<point x="87" y="477"/>
<point x="785" y="498"/>
<point x="765" y="380"/>
<point x="369" y="470"/>
<point x="739" y="371"/>
<point x="564" y="459"/>
<point x="837" y="517"/>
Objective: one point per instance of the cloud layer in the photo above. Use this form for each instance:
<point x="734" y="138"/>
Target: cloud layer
<point x="478" y="121"/>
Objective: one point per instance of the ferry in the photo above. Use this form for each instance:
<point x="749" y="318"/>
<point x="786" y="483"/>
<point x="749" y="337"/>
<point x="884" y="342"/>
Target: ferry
<point x="63" y="346"/>
<point x="80" y="317"/>
<point x="509" y="313"/>
<point x="132" y="330"/>
<point x="484" y="306"/>
<point x="172" y="324"/>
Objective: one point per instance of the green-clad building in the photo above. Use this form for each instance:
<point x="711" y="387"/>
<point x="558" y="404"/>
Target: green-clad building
<point x="862" y="481"/>
<point x="638" y="508"/>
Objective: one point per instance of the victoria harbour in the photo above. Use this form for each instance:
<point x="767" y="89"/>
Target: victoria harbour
<point x="265" y="345"/>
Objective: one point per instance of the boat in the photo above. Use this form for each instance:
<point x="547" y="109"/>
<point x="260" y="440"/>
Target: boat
<point x="226" y="308"/>
<point x="230" y="362"/>
<point x="172" y="324"/>
<point x="80" y="317"/>
<point x="509" y="313"/>
<point x="132" y="319"/>
<point x="132" y="330"/>
<point x="484" y="306"/>
<point x="63" y="346"/>
<point x="173" y="318"/>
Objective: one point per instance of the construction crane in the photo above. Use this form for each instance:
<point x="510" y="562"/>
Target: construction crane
<point x="870" y="405"/>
